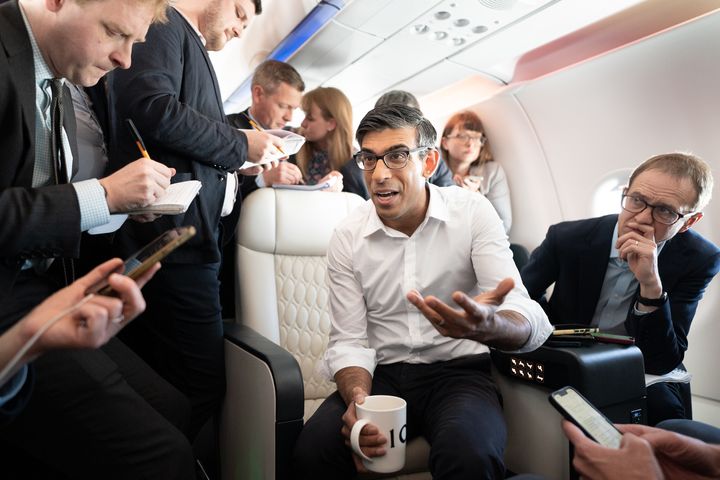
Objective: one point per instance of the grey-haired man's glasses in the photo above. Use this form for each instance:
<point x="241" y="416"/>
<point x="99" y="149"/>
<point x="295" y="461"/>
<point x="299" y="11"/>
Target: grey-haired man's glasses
<point x="660" y="213"/>
<point x="394" y="159"/>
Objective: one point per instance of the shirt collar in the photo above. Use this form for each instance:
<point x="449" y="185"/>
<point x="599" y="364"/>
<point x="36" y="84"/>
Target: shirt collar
<point x="192" y="25"/>
<point x="42" y="71"/>
<point x="437" y="209"/>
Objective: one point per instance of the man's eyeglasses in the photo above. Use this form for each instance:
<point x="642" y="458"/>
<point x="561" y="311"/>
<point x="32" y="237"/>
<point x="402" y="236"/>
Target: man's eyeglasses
<point x="660" y="213"/>
<point x="468" y="138"/>
<point x="394" y="159"/>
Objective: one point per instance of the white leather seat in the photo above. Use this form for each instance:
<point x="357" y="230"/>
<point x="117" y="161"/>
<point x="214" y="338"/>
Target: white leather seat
<point x="282" y="294"/>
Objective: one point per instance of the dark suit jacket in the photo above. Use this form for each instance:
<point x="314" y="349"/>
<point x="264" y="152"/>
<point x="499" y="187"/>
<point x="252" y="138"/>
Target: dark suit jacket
<point x="575" y="255"/>
<point x="172" y="95"/>
<point x="37" y="222"/>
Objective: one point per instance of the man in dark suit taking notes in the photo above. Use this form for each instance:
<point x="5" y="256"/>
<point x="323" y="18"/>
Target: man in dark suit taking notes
<point x="640" y="273"/>
<point x="172" y="95"/>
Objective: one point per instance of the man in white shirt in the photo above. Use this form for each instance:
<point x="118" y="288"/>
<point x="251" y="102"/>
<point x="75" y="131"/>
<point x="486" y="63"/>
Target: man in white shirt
<point x="416" y="239"/>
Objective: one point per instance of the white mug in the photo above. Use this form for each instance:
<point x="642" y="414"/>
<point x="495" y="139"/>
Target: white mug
<point x="388" y="414"/>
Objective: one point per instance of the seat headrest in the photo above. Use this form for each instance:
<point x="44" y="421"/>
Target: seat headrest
<point x="291" y="222"/>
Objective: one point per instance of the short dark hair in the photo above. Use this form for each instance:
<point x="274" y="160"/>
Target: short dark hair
<point x="398" y="97"/>
<point x="396" y="116"/>
<point x="271" y="73"/>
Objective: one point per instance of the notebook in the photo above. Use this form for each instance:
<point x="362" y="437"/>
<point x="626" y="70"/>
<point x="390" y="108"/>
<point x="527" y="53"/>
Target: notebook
<point x="677" y="376"/>
<point x="318" y="186"/>
<point x="291" y="145"/>
<point x="176" y="200"/>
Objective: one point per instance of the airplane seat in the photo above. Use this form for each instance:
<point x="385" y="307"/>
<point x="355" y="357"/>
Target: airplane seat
<point x="521" y="255"/>
<point x="281" y="332"/>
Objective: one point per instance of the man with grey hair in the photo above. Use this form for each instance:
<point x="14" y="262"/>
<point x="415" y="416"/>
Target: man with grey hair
<point x="640" y="273"/>
<point x="276" y="89"/>
<point x="380" y="344"/>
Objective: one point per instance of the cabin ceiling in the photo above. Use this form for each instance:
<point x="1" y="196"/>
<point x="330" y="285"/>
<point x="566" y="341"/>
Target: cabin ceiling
<point x="422" y="46"/>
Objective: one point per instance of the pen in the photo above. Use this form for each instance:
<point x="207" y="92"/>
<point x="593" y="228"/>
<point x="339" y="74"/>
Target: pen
<point x="257" y="127"/>
<point x="138" y="139"/>
<point x="575" y="331"/>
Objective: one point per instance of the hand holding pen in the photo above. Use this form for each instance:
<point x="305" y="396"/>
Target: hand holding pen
<point x="137" y="184"/>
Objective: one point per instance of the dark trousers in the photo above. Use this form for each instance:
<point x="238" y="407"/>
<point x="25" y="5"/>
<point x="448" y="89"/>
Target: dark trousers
<point x="667" y="400"/>
<point x="181" y="335"/>
<point x="454" y="405"/>
<point x="691" y="428"/>
<point x="100" y="414"/>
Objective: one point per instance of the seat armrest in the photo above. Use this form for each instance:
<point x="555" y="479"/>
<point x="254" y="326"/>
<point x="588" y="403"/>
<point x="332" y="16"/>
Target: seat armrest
<point x="263" y="410"/>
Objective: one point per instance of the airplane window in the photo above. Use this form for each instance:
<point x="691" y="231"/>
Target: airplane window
<point x="606" y="196"/>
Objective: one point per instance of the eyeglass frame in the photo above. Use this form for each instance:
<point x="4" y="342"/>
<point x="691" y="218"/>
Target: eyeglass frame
<point x="652" y="207"/>
<point x="408" y="152"/>
<point x="482" y="138"/>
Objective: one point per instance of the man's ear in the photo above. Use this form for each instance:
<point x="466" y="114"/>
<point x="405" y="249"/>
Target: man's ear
<point x="690" y="222"/>
<point x="430" y="163"/>
<point x="257" y="92"/>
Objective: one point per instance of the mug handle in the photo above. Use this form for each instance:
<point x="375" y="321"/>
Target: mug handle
<point x="355" y="438"/>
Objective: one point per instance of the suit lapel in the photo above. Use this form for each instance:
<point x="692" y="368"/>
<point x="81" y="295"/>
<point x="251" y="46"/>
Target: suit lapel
<point x="20" y="62"/>
<point x="211" y="69"/>
<point x="594" y="265"/>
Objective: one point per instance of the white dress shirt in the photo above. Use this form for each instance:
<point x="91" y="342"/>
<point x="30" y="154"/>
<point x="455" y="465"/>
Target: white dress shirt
<point x="461" y="245"/>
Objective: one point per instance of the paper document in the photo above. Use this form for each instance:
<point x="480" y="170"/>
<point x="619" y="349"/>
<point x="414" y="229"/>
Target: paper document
<point x="176" y="200"/>
<point x="676" y="376"/>
<point x="318" y="186"/>
<point x="291" y="145"/>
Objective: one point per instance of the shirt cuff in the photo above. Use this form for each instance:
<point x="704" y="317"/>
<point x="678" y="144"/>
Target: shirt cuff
<point x="13" y="386"/>
<point x="260" y="180"/>
<point x="93" y="205"/>
<point x="637" y="312"/>
<point x="540" y="327"/>
<point x="343" y="356"/>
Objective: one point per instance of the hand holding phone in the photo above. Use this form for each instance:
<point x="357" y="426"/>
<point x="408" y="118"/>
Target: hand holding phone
<point x="575" y="408"/>
<point x="142" y="261"/>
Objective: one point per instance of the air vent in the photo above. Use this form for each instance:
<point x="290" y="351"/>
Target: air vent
<point x="498" y="4"/>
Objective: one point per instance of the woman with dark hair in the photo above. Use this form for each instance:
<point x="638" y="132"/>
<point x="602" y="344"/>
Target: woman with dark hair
<point x="328" y="147"/>
<point x="465" y="150"/>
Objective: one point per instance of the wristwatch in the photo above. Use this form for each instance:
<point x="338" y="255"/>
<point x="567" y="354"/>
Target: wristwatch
<point x="653" y="302"/>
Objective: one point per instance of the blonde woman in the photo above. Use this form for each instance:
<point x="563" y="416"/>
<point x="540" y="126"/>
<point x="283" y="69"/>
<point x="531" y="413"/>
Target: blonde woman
<point x="465" y="150"/>
<point x="328" y="148"/>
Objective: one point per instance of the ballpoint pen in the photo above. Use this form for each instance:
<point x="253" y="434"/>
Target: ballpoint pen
<point x="257" y="127"/>
<point x="138" y="139"/>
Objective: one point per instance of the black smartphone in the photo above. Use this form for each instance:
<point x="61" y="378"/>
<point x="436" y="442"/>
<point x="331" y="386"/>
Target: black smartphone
<point x="140" y="262"/>
<point x="575" y="408"/>
<point x="611" y="338"/>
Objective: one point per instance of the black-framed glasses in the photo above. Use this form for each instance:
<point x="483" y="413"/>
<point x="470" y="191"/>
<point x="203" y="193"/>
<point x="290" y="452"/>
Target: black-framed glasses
<point x="660" y="213"/>
<point x="468" y="138"/>
<point x="394" y="159"/>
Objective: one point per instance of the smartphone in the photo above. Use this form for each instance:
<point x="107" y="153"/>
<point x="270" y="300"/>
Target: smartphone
<point x="610" y="338"/>
<point x="140" y="262"/>
<point x="575" y="408"/>
<point x="472" y="179"/>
